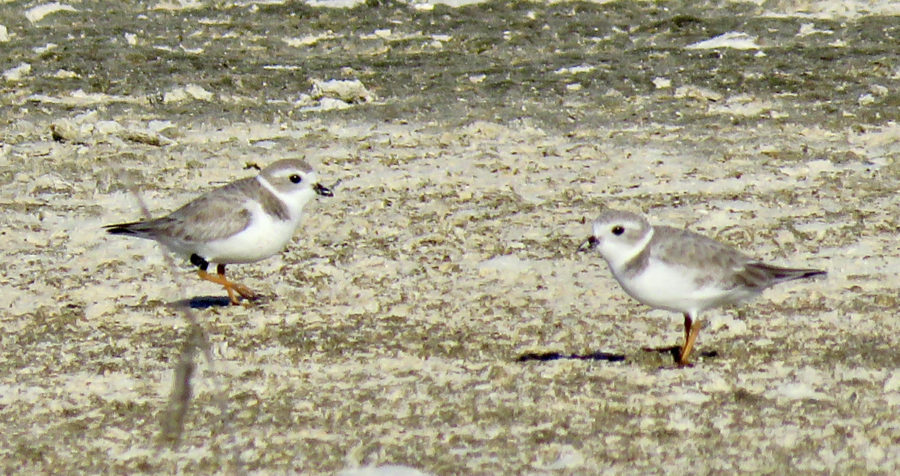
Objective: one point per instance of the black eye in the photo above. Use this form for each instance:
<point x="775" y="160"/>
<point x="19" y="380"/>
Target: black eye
<point x="296" y="178"/>
<point x="618" y="230"/>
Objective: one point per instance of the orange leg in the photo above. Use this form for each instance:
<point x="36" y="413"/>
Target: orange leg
<point x="231" y="287"/>
<point x="691" y="329"/>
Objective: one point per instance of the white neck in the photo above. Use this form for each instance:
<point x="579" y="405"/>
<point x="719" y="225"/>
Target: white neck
<point x="617" y="255"/>
<point x="294" y="201"/>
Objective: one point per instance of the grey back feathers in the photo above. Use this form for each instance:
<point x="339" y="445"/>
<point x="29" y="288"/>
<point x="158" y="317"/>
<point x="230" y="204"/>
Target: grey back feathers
<point x="220" y="216"/>
<point x="729" y="267"/>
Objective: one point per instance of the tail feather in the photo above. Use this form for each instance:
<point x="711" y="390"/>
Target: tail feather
<point x="118" y="229"/>
<point x="136" y="228"/>
<point x="785" y="274"/>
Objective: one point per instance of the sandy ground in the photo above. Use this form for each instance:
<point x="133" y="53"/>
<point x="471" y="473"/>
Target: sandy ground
<point x="484" y="141"/>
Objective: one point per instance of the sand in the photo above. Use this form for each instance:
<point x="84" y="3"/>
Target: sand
<point x="471" y="146"/>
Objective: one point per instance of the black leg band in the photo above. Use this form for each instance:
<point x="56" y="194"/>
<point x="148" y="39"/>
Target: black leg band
<point x="201" y="263"/>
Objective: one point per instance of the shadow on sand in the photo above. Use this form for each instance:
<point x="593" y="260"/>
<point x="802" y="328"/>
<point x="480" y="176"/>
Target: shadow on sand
<point x="546" y="356"/>
<point x="203" y="302"/>
<point x="674" y="351"/>
<point x="206" y="302"/>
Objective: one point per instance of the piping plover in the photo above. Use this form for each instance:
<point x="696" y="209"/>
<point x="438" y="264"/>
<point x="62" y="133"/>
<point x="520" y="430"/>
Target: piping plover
<point x="680" y="271"/>
<point x="242" y="222"/>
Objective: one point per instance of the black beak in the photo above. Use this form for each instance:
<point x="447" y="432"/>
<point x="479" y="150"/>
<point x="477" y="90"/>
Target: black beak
<point x="588" y="244"/>
<point x="322" y="190"/>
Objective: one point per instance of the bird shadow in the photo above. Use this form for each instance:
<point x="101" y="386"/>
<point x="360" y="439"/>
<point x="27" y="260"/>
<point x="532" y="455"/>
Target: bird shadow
<point x="548" y="356"/>
<point x="203" y="302"/>
<point x="673" y="351"/>
<point x="207" y="302"/>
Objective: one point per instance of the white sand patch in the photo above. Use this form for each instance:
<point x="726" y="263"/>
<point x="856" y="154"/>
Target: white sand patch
<point x="178" y="5"/>
<point x="427" y="5"/>
<point x="796" y="391"/>
<point x="808" y="29"/>
<point x="583" y="68"/>
<point x="36" y="14"/>
<point x="82" y="99"/>
<point x="697" y="92"/>
<point x="833" y="9"/>
<point x="745" y="105"/>
<point x="65" y="74"/>
<point x="733" y="39"/>
<point x="334" y="3"/>
<point x="17" y="73"/>
<point x="662" y="83"/>
<point x="187" y="93"/>
<point x="334" y="94"/>
<point x="13" y="394"/>
<point x="385" y="470"/>
<point x="308" y="40"/>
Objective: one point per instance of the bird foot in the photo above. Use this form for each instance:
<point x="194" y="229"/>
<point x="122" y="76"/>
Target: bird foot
<point x="234" y="289"/>
<point x="243" y="291"/>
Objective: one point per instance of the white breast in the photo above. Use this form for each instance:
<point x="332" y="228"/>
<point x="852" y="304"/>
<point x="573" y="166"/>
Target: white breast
<point x="674" y="288"/>
<point x="265" y="236"/>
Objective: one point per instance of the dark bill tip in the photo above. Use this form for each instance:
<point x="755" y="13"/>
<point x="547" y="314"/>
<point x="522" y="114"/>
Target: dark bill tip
<point x="588" y="244"/>
<point x="322" y="190"/>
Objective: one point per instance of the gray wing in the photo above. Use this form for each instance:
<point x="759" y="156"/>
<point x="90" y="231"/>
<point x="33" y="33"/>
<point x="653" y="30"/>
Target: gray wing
<point x="725" y="264"/>
<point x="729" y="267"/>
<point x="217" y="214"/>
<point x="687" y="248"/>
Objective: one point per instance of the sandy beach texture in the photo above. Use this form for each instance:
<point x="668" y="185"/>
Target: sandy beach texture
<point x="473" y="144"/>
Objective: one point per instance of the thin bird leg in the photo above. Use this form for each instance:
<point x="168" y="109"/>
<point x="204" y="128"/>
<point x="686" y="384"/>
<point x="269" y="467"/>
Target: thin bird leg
<point x="691" y="329"/>
<point x="244" y="291"/>
<point x="219" y="278"/>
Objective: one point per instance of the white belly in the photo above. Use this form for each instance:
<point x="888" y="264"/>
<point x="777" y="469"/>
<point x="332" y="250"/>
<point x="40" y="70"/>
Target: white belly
<point x="264" y="237"/>
<point x="675" y="289"/>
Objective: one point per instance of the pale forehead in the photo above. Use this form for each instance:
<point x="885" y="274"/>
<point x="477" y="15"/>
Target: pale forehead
<point x="287" y="166"/>
<point x="618" y="217"/>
